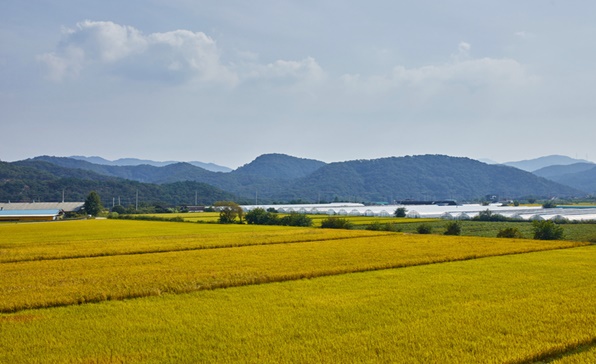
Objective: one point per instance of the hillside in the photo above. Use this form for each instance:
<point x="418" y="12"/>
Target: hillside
<point x="428" y="177"/>
<point x="30" y="180"/>
<point x="277" y="177"/>
<point x="551" y="172"/>
<point x="584" y="180"/>
<point x="136" y="162"/>
<point x="531" y="165"/>
<point x="280" y="166"/>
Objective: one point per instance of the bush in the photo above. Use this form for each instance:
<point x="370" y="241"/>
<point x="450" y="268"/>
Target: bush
<point x="336" y="223"/>
<point x="259" y="216"/>
<point x="487" y="215"/>
<point x="453" y="228"/>
<point x="509" y="232"/>
<point x="424" y="229"/>
<point x="296" y="219"/>
<point x="547" y="230"/>
<point x="400" y="212"/>
<point x="549" y="205"/>
<point x="377" y="226"/>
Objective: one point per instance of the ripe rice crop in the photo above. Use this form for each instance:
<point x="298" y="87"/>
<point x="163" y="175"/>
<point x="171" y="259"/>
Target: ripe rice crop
<point x="511" y="309"/>
<point x="46" y="283"/>
<point x="91" y="238"/>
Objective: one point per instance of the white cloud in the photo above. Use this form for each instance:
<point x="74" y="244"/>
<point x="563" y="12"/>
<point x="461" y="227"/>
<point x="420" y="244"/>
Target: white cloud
<point x="525" y="35"/>
<point x="307" y="70"/>
<point x="462" y="71"/>
<point x="176" y="54"/>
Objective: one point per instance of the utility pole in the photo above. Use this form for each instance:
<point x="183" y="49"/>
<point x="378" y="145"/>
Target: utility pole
<point x="137" y="201"/>
<point x="196" y="197"/>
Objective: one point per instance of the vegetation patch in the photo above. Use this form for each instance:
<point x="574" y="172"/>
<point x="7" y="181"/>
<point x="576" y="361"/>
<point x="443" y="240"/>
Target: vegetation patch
<point x="509" y="309"/>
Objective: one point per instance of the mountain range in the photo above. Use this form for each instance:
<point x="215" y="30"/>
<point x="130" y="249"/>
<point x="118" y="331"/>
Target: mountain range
<point x="281" y="178"/>
<point x="135" y="162"/>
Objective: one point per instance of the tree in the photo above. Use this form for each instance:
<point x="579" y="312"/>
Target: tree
<point x="92" y="204"/>
<point x="509" y="232"/>
<point x="296" y="219"/>
<point x="424" y="229"/>
<point x="547" y="230"/>
<point x="400" y="212"/>
<point x="228" y="212"/>
<point x="336" y="223"/>
<point x="453" y="228"/>
<point x="259" y="216"/>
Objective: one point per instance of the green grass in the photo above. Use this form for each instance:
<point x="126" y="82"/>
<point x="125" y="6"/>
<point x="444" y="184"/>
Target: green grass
<point x="517" y="308"/>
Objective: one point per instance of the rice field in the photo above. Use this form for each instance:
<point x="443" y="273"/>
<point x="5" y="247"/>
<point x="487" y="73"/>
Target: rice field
<point x="289" y="295"/>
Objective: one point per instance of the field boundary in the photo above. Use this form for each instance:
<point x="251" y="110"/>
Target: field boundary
<point x="558" y="352"/>
<point x="204" y="247"/>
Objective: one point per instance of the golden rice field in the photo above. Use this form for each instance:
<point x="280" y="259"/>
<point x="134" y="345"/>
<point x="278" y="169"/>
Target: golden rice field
<point x="92" y="238"/>
<point x="291" y="295"/>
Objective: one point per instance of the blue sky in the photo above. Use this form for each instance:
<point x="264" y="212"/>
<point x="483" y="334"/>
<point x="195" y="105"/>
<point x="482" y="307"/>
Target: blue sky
<point x="226" y="81"/>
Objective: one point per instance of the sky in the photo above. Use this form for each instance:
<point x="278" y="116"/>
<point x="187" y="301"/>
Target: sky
<point x="226" y="81"/>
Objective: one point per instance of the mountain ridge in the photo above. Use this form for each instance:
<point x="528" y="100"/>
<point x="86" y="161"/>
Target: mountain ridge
<point x="279" y="177"/>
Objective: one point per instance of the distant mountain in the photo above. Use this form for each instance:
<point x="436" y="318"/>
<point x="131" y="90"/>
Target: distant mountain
<point x="137" y="162"/>
<point x="561" y="170"/>
<point x="579" y="175"/>
<point x="282" y="178"/>
<point x="36" y="180"/>
<point x="427" y="177"/>
<point x="487" y="161"/>
<point x="280" y="166"/>
<point x="531" y="165"/>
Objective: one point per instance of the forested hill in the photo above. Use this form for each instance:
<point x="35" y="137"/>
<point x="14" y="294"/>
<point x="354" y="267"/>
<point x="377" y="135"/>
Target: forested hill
<point x="280" y="166"/>
<point x="281" y="178"/>
<point x="428" y="177"/>
<point x="28" y="181"/>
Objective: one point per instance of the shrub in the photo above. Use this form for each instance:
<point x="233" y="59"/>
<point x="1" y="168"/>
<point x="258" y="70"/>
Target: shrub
<point x="509" y="233"/>
<point x="487" y="215"/>
<point x="424" y="229"/>
<point x="295" y="219"/>
<point x="400" y="212"/>
<point x="336" y="223"/>
<point x="547" y="230"/>
<point x="377" y="226"/>
<point x="453" y="228"/>
<point x="259" y="216"/>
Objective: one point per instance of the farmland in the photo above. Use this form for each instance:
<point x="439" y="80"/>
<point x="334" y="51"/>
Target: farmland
<point x="291" y="295"/>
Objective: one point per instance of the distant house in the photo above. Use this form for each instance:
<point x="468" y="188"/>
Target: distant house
<point x="30" y="215"/>
<point x="195" y="208"/>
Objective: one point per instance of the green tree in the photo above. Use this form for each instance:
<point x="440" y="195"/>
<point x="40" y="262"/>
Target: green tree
<point x="453" y="228"/>
<point x="547" y="230"/>
<point x="400" y="212"/>
<point x="296" y="219"/>
<point x="93" y="204"/>
<point x="336" y="223"/>
<point x="228" y="212"/>
<point x="424" y="229"/>
<point x="509" y="232"/>
<point x="259" y="216"/>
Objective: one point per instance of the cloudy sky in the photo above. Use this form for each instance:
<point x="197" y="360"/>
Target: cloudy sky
<point x="226" y="81"/>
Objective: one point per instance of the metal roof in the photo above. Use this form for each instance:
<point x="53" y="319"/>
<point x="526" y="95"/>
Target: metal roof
<point x="66" y="206"/>
<point x="29" y="213"/>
